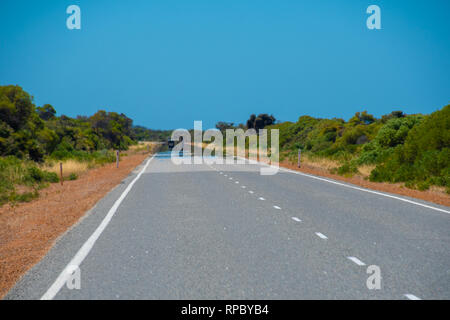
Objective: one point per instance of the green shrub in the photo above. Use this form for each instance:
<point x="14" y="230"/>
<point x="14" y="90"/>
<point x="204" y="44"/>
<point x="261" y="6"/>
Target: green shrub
<point x="23" y="197"/>
<point x="424" y="158"/>
<point x="16" y="172"/>
<point x="414" y="149"/>
<point x="51" y="177"/>
<point x="73" y="176"/>
<point x="34" y="175"/>
<point x="395" y="131"/>
<point x="347" y="169"/>
<point x="423" y="185"/>
<point x="390" y="135"/>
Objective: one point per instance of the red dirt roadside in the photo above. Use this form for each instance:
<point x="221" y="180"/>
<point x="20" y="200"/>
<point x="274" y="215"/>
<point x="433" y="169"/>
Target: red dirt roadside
<point x="28" y="231"/>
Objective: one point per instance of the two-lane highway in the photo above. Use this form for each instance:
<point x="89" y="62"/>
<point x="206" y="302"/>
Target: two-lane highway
<point x="227" y="232"/>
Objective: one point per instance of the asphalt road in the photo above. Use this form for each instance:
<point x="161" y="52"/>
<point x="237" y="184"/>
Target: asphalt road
<point x="227" y="232"/>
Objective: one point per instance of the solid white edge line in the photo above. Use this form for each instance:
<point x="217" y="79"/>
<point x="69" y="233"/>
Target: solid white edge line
<point x="87" y="246"/>
<point x="350" y="186"/>
<point x="357" y="261"/>
<point x="412" y="297"/>
<point x="321" y="235"/>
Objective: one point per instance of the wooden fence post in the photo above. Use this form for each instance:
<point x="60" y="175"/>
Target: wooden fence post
<point x="299" y="157"/>
<point x="117" y="158"/>
<point x="61" y="173"/>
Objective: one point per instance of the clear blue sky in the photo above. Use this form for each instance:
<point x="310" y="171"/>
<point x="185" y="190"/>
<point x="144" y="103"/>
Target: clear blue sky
<point x="167" y="63"/>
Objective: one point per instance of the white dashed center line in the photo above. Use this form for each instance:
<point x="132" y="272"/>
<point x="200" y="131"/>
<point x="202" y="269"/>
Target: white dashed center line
<point x="412" y="297"/>
<point x="321" y="235"/>
<point x="357" y="261"/>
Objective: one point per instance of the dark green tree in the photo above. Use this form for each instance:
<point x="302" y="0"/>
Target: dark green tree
<point x="46" y="112"/>
<point x="223" y="126"/>
<point x="260" y="121"/>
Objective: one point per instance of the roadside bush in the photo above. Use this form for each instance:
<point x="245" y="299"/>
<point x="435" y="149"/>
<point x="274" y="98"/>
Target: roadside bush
<point x="51" y="177"/>
<point x="73" y="176"/>
<point x="16" y="172"/>
<point x="22" y="197"/>
<point x="424" y="158"/>
<point x="65" y="151"/>
<point x="33" y="136"/>
<point x="347" y="169"/>
<point x="414" y="149"/>
<point x="35" y="175"/>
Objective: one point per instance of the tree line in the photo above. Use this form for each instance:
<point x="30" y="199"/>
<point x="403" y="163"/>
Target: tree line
<point x="34" y="132"/>
<point x="398" y="147"/>
<point x="413" y="149"/>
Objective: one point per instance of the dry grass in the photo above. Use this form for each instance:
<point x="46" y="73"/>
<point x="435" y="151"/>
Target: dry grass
<point x="143" y="146"/>
<point x="366" y="169"/>
<point x="69" y="167"/>
<point x="438" y="189"/>
<point x="79" y="167"/>
<point x="329" y="164"/>
<point x="317" y="162"/>
<point x="313" y="162"/>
